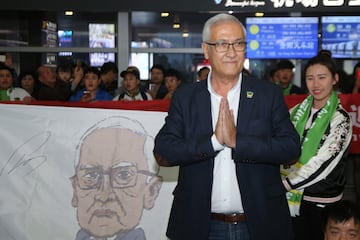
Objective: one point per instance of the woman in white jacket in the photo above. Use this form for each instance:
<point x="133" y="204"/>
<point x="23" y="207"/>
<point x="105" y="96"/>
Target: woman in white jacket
<point x="317" y="178"/>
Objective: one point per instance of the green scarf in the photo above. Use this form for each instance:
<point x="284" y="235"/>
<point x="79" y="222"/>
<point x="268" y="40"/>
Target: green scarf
<point x="285" y="91"/>
<point x="4" y="95"/>
<point x="299" y="117"/>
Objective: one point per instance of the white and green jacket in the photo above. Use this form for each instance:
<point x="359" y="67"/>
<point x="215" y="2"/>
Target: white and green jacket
<point x="322" y="178"/>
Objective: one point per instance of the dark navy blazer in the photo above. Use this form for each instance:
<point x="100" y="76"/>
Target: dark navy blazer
<point x="265" y="139"/>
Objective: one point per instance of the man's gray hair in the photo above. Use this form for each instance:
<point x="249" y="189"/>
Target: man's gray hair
<point x="219" y="18"/>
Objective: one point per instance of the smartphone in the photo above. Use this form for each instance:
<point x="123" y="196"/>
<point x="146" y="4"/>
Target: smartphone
<point x="2" y="58"/>
<point x="152" y="86"/>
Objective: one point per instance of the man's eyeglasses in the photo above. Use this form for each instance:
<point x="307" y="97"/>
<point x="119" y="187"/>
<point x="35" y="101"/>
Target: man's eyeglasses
<point x="120" y="177"/>
<point x="239" y="46"/>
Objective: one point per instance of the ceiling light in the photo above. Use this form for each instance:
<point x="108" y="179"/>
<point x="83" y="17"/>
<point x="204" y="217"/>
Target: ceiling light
<point x="165" y="14"/>
<point x="69" y="13"/>
<point x="176" y="23"/>
<point x="185" y="34"/>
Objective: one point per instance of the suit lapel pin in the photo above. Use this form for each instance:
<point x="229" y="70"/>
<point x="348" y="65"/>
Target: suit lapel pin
<point x="249" y="94"/>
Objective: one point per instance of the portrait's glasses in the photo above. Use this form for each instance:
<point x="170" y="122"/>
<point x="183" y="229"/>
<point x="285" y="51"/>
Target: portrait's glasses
<point x="120" y="177"/>
<point x="221" y="47"/>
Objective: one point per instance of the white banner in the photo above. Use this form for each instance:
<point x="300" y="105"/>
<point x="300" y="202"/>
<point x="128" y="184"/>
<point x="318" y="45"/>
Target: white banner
<point x="79" y="173"/>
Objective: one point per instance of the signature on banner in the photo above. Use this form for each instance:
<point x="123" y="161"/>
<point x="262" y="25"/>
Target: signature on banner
<point x="28" y="152"/>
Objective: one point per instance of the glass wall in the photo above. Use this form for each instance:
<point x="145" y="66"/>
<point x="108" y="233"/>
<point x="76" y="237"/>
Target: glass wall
<point x="142" y="39"/>
<point x="35" y="38"/>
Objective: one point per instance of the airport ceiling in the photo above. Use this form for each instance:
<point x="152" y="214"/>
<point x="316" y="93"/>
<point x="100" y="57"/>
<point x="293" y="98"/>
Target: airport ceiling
<point x="141" y="20"/>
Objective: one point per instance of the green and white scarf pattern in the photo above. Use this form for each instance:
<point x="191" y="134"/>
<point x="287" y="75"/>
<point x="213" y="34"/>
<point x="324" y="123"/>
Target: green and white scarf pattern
<point x="299" y="117"/>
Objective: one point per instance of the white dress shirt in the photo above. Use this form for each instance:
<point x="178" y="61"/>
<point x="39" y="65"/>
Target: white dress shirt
<point x="225" y="191"/>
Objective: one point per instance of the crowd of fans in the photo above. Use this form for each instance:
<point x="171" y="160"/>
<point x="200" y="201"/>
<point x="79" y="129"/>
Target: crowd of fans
<point x="79" y="82"/>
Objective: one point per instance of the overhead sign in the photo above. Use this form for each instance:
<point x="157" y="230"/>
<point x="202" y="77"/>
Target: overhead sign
<point x="341" y="35"/>
<point x="188" y="5"/>
<point x="303" y="5"/>
<point x="281" y="37"/>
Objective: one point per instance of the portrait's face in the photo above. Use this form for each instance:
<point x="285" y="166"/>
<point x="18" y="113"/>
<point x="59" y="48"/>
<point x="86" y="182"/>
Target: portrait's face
<point x="342" y="230"/>
<point x="230" y="63"/>
<point x="110" y="185"/>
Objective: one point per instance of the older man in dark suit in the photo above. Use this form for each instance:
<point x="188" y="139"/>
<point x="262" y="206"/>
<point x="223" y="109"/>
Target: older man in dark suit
<point x="229" y="134"/>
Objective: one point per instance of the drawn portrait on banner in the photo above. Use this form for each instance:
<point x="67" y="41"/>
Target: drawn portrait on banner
<point x="115" y="179"/>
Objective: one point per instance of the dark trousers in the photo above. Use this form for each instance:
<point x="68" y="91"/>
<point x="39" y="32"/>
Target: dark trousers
<point x="310" y="224"/>
<point x="356" y="163"/>
<point x="226" y="231"/>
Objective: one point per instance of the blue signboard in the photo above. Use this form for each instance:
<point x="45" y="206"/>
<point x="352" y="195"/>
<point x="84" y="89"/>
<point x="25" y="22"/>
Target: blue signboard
<point x="282" y="37"/>
<point x="341" y="35"/>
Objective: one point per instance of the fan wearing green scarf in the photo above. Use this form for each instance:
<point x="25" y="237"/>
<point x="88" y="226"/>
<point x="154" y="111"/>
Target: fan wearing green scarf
<point x="7" y="91"/>
<point x="284" y="78"/>
<point x="325" y="130"/>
